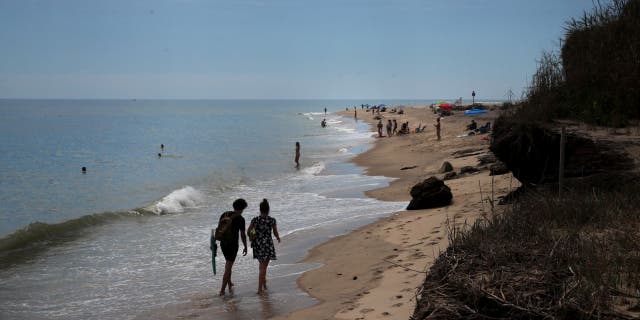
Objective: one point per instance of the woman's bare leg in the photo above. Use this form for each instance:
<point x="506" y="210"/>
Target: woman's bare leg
<point x="262" y="278"/>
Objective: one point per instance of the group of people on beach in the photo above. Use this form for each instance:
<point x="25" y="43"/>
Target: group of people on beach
<point x="392" y="128"/>
<point x="259" y="231"/>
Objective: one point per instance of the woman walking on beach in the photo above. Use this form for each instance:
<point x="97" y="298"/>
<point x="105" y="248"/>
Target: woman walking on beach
<point x="297" y="159"/>
<point x="263" y="249"/>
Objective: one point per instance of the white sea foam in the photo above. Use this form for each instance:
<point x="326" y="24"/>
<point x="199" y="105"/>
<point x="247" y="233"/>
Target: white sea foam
<point x="178" y="200"/>
<point x="347" y="130"/>
<point x="343" y="150"/>
<point x="314" y="169"/>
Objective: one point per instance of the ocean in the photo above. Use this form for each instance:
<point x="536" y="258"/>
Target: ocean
<point x="129" y="239"/>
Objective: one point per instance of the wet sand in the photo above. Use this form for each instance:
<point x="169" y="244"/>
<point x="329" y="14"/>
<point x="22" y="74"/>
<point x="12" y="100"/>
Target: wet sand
<point x="374" y="272"/>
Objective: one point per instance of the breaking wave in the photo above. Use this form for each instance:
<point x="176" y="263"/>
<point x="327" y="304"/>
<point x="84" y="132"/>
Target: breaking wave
<point x="40" y="235"/>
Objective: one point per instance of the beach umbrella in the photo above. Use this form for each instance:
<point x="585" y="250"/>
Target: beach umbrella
<point x="446" y="106"/>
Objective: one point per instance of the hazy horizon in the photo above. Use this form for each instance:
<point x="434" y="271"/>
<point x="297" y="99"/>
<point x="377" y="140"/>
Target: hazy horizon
<point x="281" y="49"/>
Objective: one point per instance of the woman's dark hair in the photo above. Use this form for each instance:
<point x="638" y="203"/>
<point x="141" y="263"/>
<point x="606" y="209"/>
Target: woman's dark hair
<point x="239" y="204"/>
<point x="264" y="206"/>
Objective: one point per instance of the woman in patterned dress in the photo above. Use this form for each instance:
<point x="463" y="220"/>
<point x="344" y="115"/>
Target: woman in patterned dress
<point x="263" y="249"/>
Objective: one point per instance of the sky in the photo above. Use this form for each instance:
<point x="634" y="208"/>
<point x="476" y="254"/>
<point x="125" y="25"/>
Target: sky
<point x="275" y="49"/>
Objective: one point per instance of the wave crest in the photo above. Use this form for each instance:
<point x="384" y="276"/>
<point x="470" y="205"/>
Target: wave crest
<point x="177" y="201"/>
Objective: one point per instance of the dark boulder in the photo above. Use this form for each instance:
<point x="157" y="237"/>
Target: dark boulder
<point x="446" y="167"/>
<point x="486" y="159"/>
<point x="450" y="175"/>
<point x="430" y="193"/>
<point x="468" y="169"/>
<point x="498" y="168"/>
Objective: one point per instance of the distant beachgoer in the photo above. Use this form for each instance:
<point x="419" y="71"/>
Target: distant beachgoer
<point x="159" y="155"/>
<point x="355" y="113"/>
<point x="473" y="125"/>
<point x="380" y="128"/>
<point x="162" y="147"/>
<point x="84" y="169"/>
<point x="263" y="249"/>
<point x="325" y="111"/>
<point x="323" y="123"/>
<point x="389" y="126"/>
<point x="395" y="127"/>
<point x="230" y="245"/>
<point x="297" y="159"/>
<point x="437" y="125"/>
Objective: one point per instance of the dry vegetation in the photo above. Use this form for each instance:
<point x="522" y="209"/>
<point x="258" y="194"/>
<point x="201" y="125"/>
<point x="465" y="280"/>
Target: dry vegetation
<point x="546" y="257"/>
<point x="596" y="76"/>
<point x="572" y="258"/>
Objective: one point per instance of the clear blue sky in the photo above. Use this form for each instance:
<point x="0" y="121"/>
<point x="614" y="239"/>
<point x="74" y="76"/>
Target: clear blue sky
<point x="275" y="48"/>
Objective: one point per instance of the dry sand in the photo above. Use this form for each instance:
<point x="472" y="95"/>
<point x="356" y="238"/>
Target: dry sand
<point x="374" y="272"/>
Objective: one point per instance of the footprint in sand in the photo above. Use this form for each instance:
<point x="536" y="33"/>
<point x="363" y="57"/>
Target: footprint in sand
<point x="367" y="310"/>
<point x="386" y="313"/>
<point x="397" y="305"/>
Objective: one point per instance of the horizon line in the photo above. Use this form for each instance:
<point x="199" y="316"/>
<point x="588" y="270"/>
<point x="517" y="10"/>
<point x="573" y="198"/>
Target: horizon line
<point x="147" y="99"/>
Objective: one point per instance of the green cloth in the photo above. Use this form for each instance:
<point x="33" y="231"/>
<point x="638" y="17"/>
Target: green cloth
<point x="214" y="252"/>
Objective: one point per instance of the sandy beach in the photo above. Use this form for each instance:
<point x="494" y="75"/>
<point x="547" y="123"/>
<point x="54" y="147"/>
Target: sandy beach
<point x="375" y="271"/>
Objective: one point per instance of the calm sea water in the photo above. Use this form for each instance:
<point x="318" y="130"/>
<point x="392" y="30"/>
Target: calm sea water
<point x="130" y="237"/>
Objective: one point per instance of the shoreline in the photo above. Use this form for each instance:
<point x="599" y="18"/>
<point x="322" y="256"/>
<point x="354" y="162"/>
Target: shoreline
<point x="374" y="271"/>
